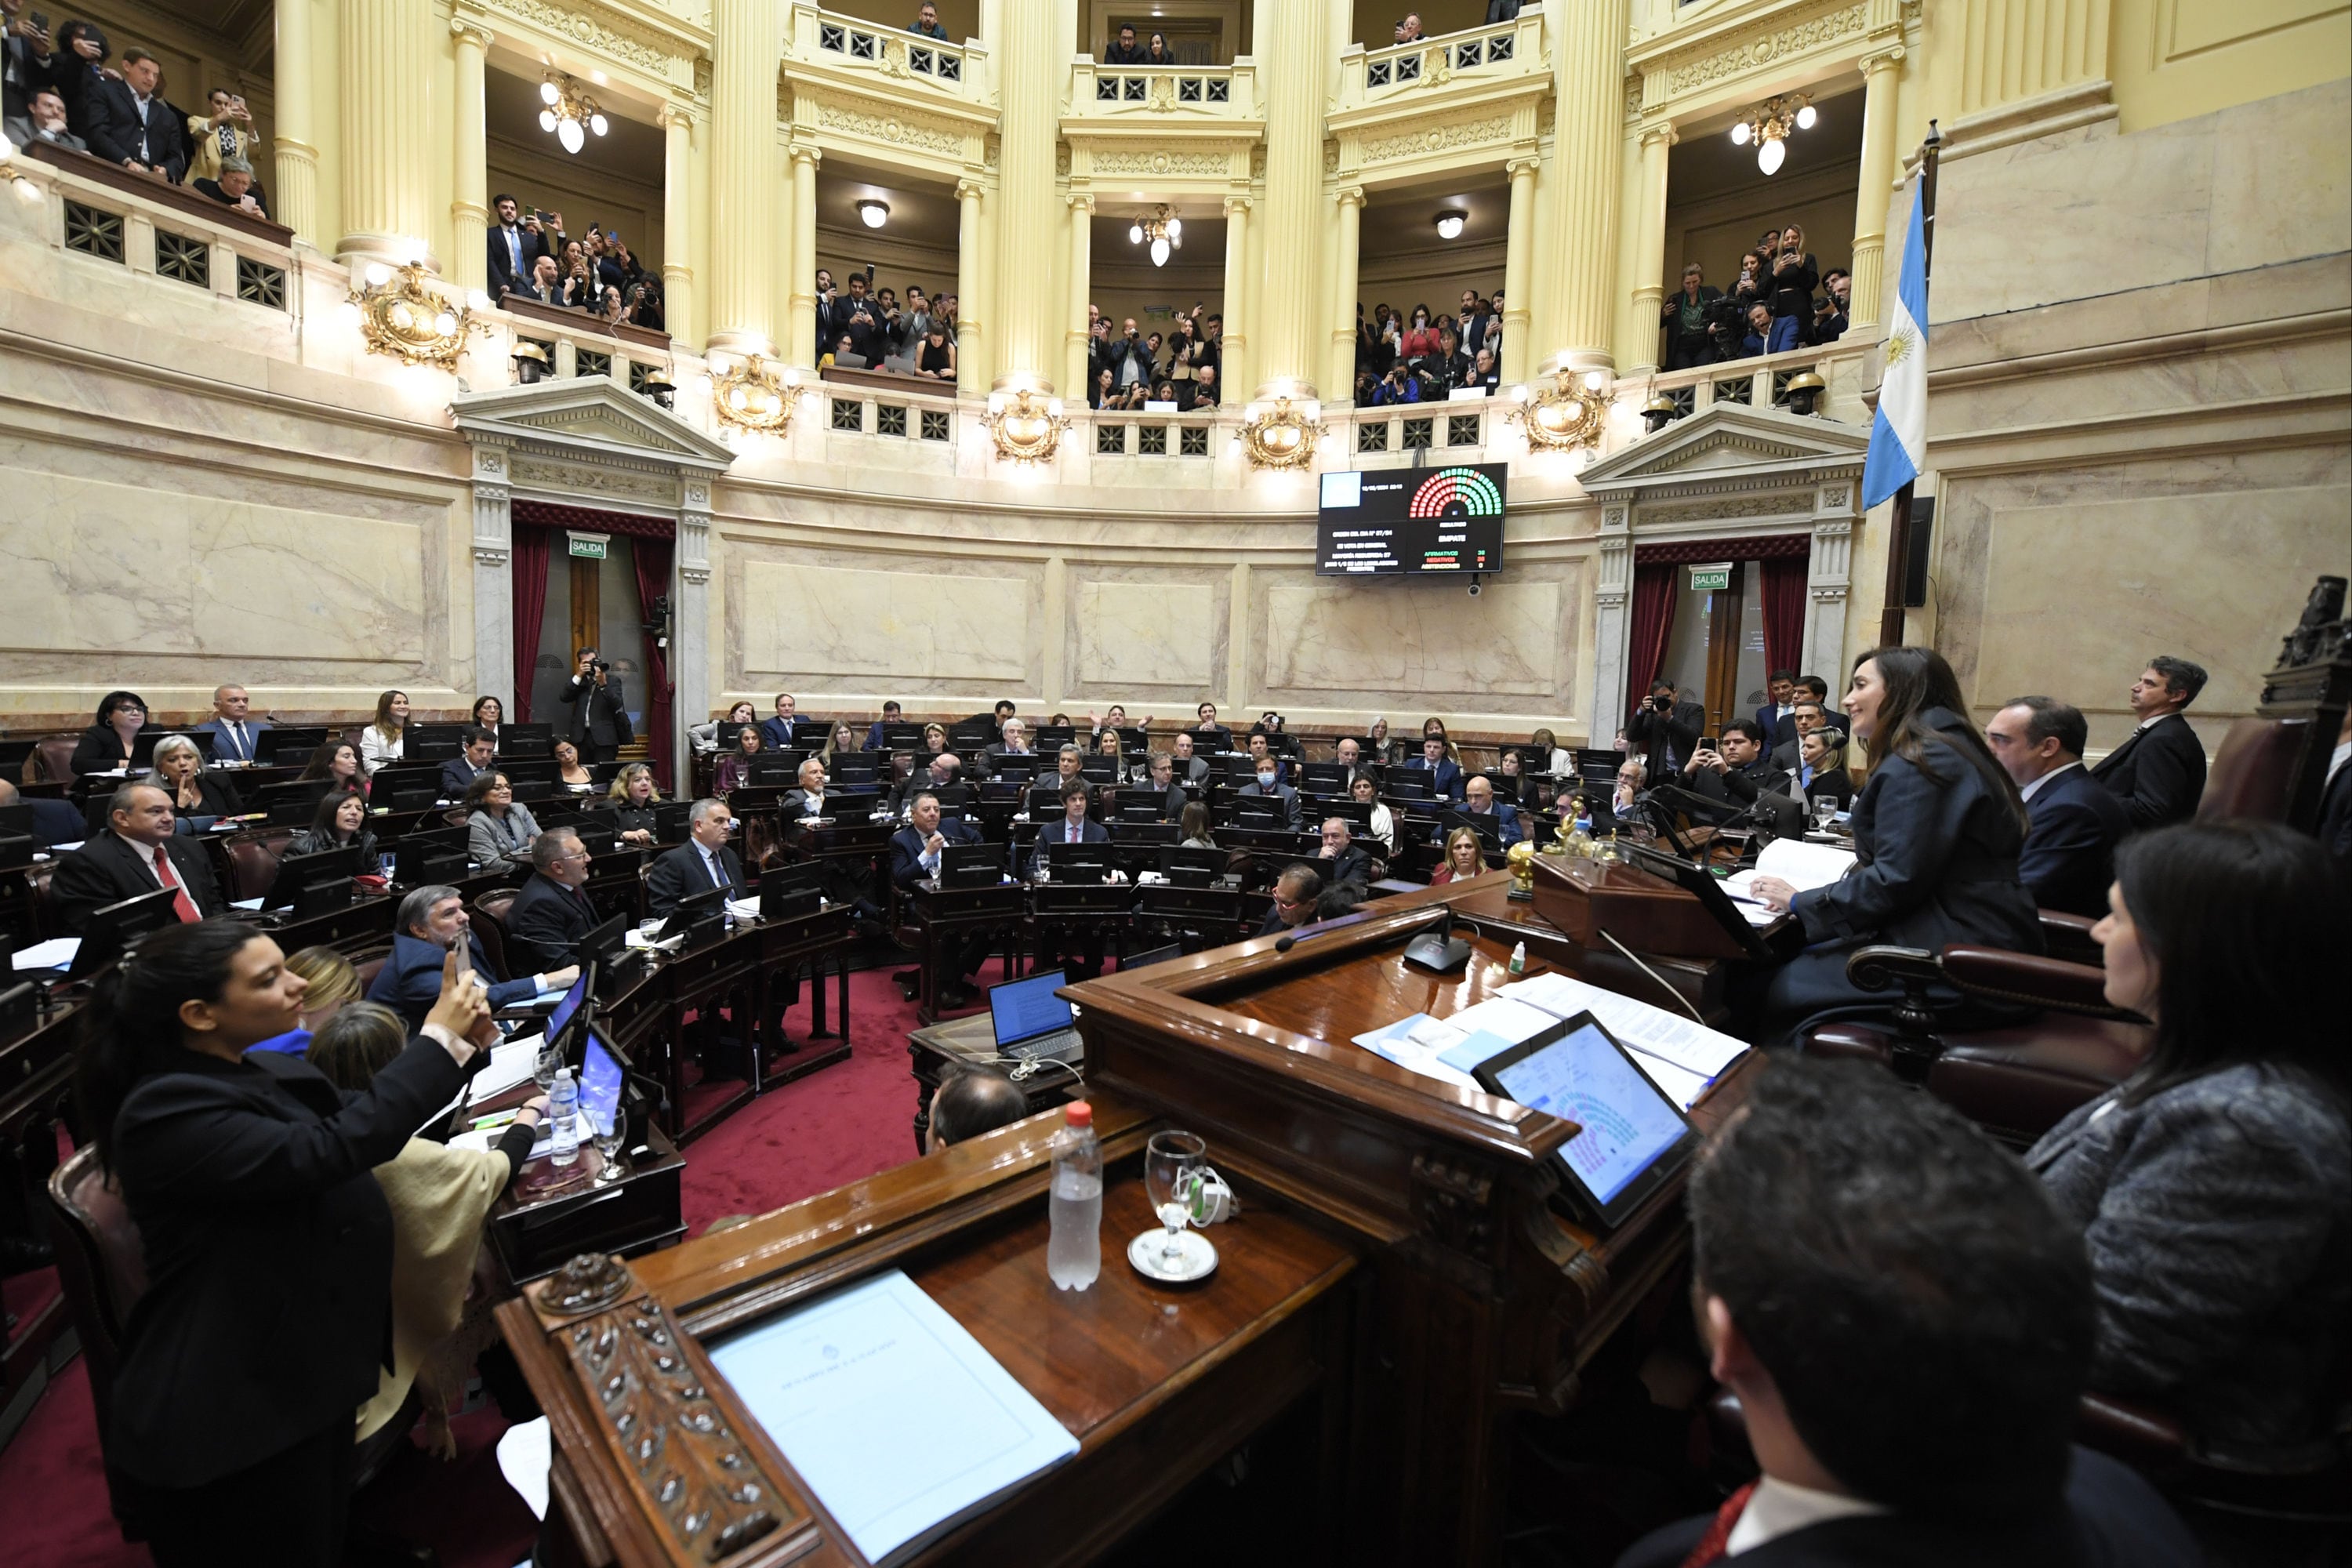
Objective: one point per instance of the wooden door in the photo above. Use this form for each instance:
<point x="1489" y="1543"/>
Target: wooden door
<point x="1723" y="609"/>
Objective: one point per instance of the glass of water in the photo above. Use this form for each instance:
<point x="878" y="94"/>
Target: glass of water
<point x="1172" y="1172"/>
<point x="1825" y="807"/>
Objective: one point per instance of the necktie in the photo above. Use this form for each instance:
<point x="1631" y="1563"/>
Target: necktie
<point x="1710" y="1546"/>
<point x="181" y="905"/>
<point x="243" y="750"/>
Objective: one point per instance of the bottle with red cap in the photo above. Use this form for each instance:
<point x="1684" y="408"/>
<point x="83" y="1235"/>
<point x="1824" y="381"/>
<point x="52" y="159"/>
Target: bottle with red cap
<point x="1074" y="1251"/>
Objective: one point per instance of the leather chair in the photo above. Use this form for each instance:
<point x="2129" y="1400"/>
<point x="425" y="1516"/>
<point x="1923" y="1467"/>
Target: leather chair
<point x="490" y="922"/>
<point x="367" y="968"/>
<point x="2256" y="772"/>
<point x="52" y="760"/>
<point x="2068" y="936"/>
<point x="253" y="860"/>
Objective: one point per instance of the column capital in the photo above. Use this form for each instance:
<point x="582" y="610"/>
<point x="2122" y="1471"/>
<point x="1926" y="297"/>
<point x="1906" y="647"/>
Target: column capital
<point x="1885" y="60"/>
<point x="1238" y="206"/>
<point x="807" y="152"/>
<point x="466" y="29"/>
<point x="1347" y="193"/>
<point x="1652" y="134"/>
<point x="970" y="189"/>
<point x="1530" y="167"/>
<point x="1082" y="202"/>
<point x="680" y="114"/>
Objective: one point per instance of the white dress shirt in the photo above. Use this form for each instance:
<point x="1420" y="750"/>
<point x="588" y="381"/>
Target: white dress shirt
<point x="1779" y="1507"/>
<point x="2026" y="792"/>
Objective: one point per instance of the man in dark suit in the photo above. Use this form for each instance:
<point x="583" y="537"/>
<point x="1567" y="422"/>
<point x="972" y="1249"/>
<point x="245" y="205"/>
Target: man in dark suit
<point x="432" y="919"/>
<point x="131" y="125"/>
<point x="1445" y="775"/>
<point x="2069" y="855"/>
<point x="1349" y="755"/>
<point x="1162" y="777"/>
<point x="1072" y="827"/>
<point x="458" y="774"/>
<point x="1208" y="725"/>
<point x="1479" y="800"/>
<point x="232" y="726"/>
<point x="1736" y="770"/>
<point x="1013" y="742"/>
<point x="1125" y="50"/>
<point x="1778" y="718"/>
<point x="1188" y="768"/>
<point x="1339" y="859"/>
<point x="1908" y="1322"/>
<point x="600" y="712"/>
<point x="704" y="861"/>
<point x="44" y="120"/>
<point x="915" y="858"/>
<point x="516" y="243"/>
<point x="136" y="854"/>
<point x="1267" y="787"/>
<point x="1295" y="893"/>
<point x="892" y="715"/>
<point x="1808" y="715"/>
<point x="1666" y="729"/>
<point x="54" y="821"/>
<point x="807" y="798"/>
<point x="2160" y="772"/>
<point x="776" y="734"/>
<point x="553" y="911"/>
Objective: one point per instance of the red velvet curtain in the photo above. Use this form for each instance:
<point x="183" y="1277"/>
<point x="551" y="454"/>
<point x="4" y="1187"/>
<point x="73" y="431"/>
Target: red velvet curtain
<point x="651" y="558"/>
<point x="530" y="555"/>
<point x="1653" y="619"/>
<point x="1784" y="610"/>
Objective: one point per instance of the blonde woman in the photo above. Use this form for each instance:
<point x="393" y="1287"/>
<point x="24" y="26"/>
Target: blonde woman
<point x="633" y="798"/>
<point x="385" y="738"/>
<point x="1464" y="858"/>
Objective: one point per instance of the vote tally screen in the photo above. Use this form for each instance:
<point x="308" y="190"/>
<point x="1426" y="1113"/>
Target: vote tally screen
<point x="1404" y="521"/>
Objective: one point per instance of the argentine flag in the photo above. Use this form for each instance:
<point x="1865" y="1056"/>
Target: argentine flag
<point x="1898" y="432"/>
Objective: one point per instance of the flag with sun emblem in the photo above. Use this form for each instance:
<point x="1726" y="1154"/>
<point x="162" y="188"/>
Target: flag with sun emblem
<point x="1898" y="434"/>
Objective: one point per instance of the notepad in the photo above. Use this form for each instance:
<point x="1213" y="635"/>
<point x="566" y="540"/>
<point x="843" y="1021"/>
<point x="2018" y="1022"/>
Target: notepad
<point x="894" y="1415"/>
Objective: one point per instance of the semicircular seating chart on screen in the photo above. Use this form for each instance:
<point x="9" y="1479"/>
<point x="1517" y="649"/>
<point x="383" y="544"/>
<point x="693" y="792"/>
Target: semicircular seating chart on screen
<point x="1457" y="492"/>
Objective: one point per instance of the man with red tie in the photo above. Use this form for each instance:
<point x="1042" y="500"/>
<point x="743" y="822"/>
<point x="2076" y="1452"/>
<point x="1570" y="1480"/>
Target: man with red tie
<point x="1907" y="1322"/>
<point x="137" y="853"/>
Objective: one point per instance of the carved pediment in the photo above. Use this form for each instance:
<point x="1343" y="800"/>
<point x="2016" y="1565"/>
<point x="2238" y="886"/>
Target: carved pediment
<point x="1730" y="449"/>
<point x="602" y="425"/>
<point x="587" y="416"/>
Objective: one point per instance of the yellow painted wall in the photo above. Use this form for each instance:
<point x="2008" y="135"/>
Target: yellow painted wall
<point x="2170" y="59"/>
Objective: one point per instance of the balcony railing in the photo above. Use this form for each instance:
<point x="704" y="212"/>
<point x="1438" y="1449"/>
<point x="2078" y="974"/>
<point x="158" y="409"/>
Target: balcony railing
<point x="1225" y="92"/>
<point x="169" y="232"/>
<point x="1374" y="76"/>
<point x="820" y="37"/>
<point x="1763" y="382"/>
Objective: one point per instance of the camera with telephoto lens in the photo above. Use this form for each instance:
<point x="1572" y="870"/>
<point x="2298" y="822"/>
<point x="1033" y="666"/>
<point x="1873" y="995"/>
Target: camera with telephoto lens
<point x="600" y="667"/>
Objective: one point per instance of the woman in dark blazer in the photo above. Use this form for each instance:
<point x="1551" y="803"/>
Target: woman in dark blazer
<point x="268" y="1242"/>
<point x="2214" y="1186"/>
<point x="1936" y="830"/>
<point x="632" y="800"/>
<point x="105" y="746"/>
<point x="1823" y="770"/>
<point x="181" y="774"/>
<point x="1793" y="277"/>
<point x="340" y="822"/>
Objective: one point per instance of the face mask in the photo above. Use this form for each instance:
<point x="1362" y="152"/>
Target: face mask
<point x="1266" y="780"/>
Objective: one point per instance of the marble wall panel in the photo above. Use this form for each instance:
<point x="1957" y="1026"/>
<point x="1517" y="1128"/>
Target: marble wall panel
<point x="1146" y="634"/>
<point x="797" y="620"/>
<point x="1513" y="650"/>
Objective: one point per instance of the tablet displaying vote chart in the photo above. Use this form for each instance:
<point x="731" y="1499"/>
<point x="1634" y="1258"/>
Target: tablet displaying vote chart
<point x="1633" y="1137"/>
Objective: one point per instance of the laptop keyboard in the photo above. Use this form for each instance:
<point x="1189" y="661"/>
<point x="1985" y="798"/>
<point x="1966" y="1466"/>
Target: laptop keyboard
<point x="1059" y="1043"/>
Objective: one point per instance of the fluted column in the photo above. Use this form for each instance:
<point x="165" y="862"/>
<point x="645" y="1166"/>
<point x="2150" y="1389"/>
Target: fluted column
<point x="384" y="82"/>
<point x="1290" y="41"/>
<point x="678" y="221"/>
<point x="801" y="330"/>
<point x="1233" y="347"/>
<point x="294" y="195"/>
<point x="470" y="207"/>
<point x="1518" y="280"/>
<point x="1649" y="251"/>
<point x="1339" y="377"/>
<point x="972" y="271"/>
<point x="1882" y="76"/>
<point x="1030" y="91"/>
<point x="746" y="43"/>
<point x="1073" y="333"/>
<point x="1588" y="85"/>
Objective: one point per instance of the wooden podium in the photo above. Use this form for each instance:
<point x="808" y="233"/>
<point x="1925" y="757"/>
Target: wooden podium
<point x="1399" y="1284"/>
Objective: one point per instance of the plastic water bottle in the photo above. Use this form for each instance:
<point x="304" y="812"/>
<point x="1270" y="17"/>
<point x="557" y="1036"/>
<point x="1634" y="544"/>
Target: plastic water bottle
<point x="564" y="1119"/>
<point x="1074" y="1252"/>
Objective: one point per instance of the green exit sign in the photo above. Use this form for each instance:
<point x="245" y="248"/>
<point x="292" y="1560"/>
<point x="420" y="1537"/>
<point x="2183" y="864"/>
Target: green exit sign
<point x="589" y="546"/>
<point x="1711" y="579"/>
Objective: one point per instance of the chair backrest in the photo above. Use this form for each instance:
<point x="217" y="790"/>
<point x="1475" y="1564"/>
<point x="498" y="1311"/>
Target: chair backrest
<point x="490" y="922"/>
<point x="52" y="760"/>
<point x="2256" y="772"/>
<point x="253" y="860"/>
<point x="100" y="1265"/>
<point x="368" y="968"/>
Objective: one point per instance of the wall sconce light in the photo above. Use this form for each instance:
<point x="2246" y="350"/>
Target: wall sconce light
<point x="1451" y="223"/>
<point x="659" y="386"/>
<point x="1280" y="437"/>
<point x="564" y="110"/>
<point x="1025" y="428"/>
<point x="1566" y="415"/>
<point x="873" y="214"/>
<point x="752" y="396"/>
<point x="400" y="316"/>
<point x="1658" y="413"/>
<point x="530" y="363"/>
<point x="1768" y="127"/>
<point x="1805" y="390"/>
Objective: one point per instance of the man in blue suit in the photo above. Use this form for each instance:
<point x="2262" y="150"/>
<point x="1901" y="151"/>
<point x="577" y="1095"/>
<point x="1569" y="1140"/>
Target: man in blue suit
<point x="1479" y="795"/>
<point x="776" y="734"/>
<point x="232" y="731"/>
<point x="431" y="919"/>
<point x="1071" y="827"/>
<point x="2069" y="855"/>
<point x="914" y="853"/>
<point x="1444" y="777"/>
<point x="1778" y="718"/>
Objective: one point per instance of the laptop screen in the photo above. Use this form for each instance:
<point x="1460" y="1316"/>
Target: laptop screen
<point x="569" y="1004"/>
<point x="1024" y="1009"/>
<point x="1627" y="1123"/>
<point x="600" y="1084"/>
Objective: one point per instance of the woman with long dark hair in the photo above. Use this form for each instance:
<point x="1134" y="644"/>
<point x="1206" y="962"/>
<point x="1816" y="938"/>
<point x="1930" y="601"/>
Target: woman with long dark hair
<point x="1935" y="829"/>
<point x="334" y="768"/>
<point x="2214" y="1186"/>
<point x="386" y="738"/>
<point x="267" y="1242"/>
<point x="340" y="822"/>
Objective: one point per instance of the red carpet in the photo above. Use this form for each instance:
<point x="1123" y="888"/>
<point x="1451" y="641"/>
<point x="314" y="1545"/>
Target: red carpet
<point x="838" y="1125"/>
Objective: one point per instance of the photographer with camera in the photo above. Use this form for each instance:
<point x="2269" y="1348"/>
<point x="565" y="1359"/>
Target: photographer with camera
<point x="600" y="724"/>
<point x="1666" y="729"/>
<point x="645" y="305"/>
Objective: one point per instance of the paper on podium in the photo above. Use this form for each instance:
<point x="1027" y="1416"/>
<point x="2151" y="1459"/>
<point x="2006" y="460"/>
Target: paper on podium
<point x="1803" y="866"/>
<point x="58" y="952"/>
<point x="744" y="908"/>
<point x="511" y="1062"/>
<point x="896" y="1417"/>
<point x="1682" y="1057"/>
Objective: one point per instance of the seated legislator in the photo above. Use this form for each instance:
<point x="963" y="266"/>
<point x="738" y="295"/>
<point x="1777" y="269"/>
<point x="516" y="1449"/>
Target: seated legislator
<point x="105" y="746"/>
<point x="340" y="822"/>
<point x="267" y="1241"/>
<point x="54" y="821"/>
<point x="1266" y="786"/>
<point x="498" y="829"/>
<point x="914" y="858"/>
<point x="196" y="791"/>
<point x="333" y="769"/>
<point x="894" y="716"/>
<point x="1195" y="827"/>
<point x="1159" y="774"/>
<point x="1479" y="800"/>
<point x="574" y="778"/>
<point x="1445" y="776"/>
<point x="1341" y="861"/>
<point x="1906" y="1322"/>
<point x="1189" y="769"/>
<point x="1736" y="770"/>
<point x="138" y="852"/>
<point x="2159" y="772"/>
<point x="232" y="726"/>
<point x="632" y="799"/>
<point x="552" y="910"/>
<point x="1012" y="741"/>
<point x="2214" y="1186"/>
<point x="2070" y="851"/>
<point x="735" y="768"/>
<point x="703" y="862"/>
<point x="1349" y="754"/>
<point x="1071" y="826"/>
<point x="433" y="920"/>
<point x="778" y="732"/>
<point x="386" y="739"/>
<point x="1936" y="830"/>
<point x="1464" y="858"/>
<point x="718" y="734"/>
<point x="806" y="800"/>
<point x="1223" y="734"/>
<point x="1365" y="789"/>
<point x="489" y="713"/>
<point x="1822" y="768"/>
<point x="1260" y="746"/>
<point x="334" y="985"/>
<point x="1295" y="893"/>
<point x="943" y="769"/>
<point x="971" y="1101"/>
<point x="458" y="774"/>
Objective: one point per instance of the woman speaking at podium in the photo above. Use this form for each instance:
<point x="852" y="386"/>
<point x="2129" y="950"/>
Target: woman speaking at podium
<point x="1936" y="832"/>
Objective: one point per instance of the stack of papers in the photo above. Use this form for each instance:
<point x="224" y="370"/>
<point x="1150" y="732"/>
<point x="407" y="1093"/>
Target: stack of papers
<point x="511" y="1062"/>
<point x="58" y="952"/>
<point x="1801" y="864"/>
<point x="744" y="908"/>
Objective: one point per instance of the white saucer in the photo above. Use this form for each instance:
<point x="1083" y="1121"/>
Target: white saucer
<point x="1196" y="1257"/>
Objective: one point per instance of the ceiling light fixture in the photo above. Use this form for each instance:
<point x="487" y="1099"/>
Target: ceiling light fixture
<point x="873" y="214"/>
<point x="565" y="109"/>
<point x="1163" y="228"/>
<point x="1451" y="223"/>
<point x="1768" y="127"/>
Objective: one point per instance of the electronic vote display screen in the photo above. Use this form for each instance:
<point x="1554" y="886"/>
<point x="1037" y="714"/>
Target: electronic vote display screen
<point x="1392" y="523"/>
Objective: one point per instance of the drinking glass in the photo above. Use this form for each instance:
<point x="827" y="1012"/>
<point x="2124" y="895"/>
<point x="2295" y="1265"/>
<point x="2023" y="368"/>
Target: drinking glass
<point x="608" y="1147"/>
<point x="1825" y="807"/>
<point x="1171" y="1176"/>
<point x="544" y="1065"/>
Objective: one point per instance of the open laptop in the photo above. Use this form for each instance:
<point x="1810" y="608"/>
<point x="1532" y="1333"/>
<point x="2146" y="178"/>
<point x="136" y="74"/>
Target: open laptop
<point x="1031" y="1021"/>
